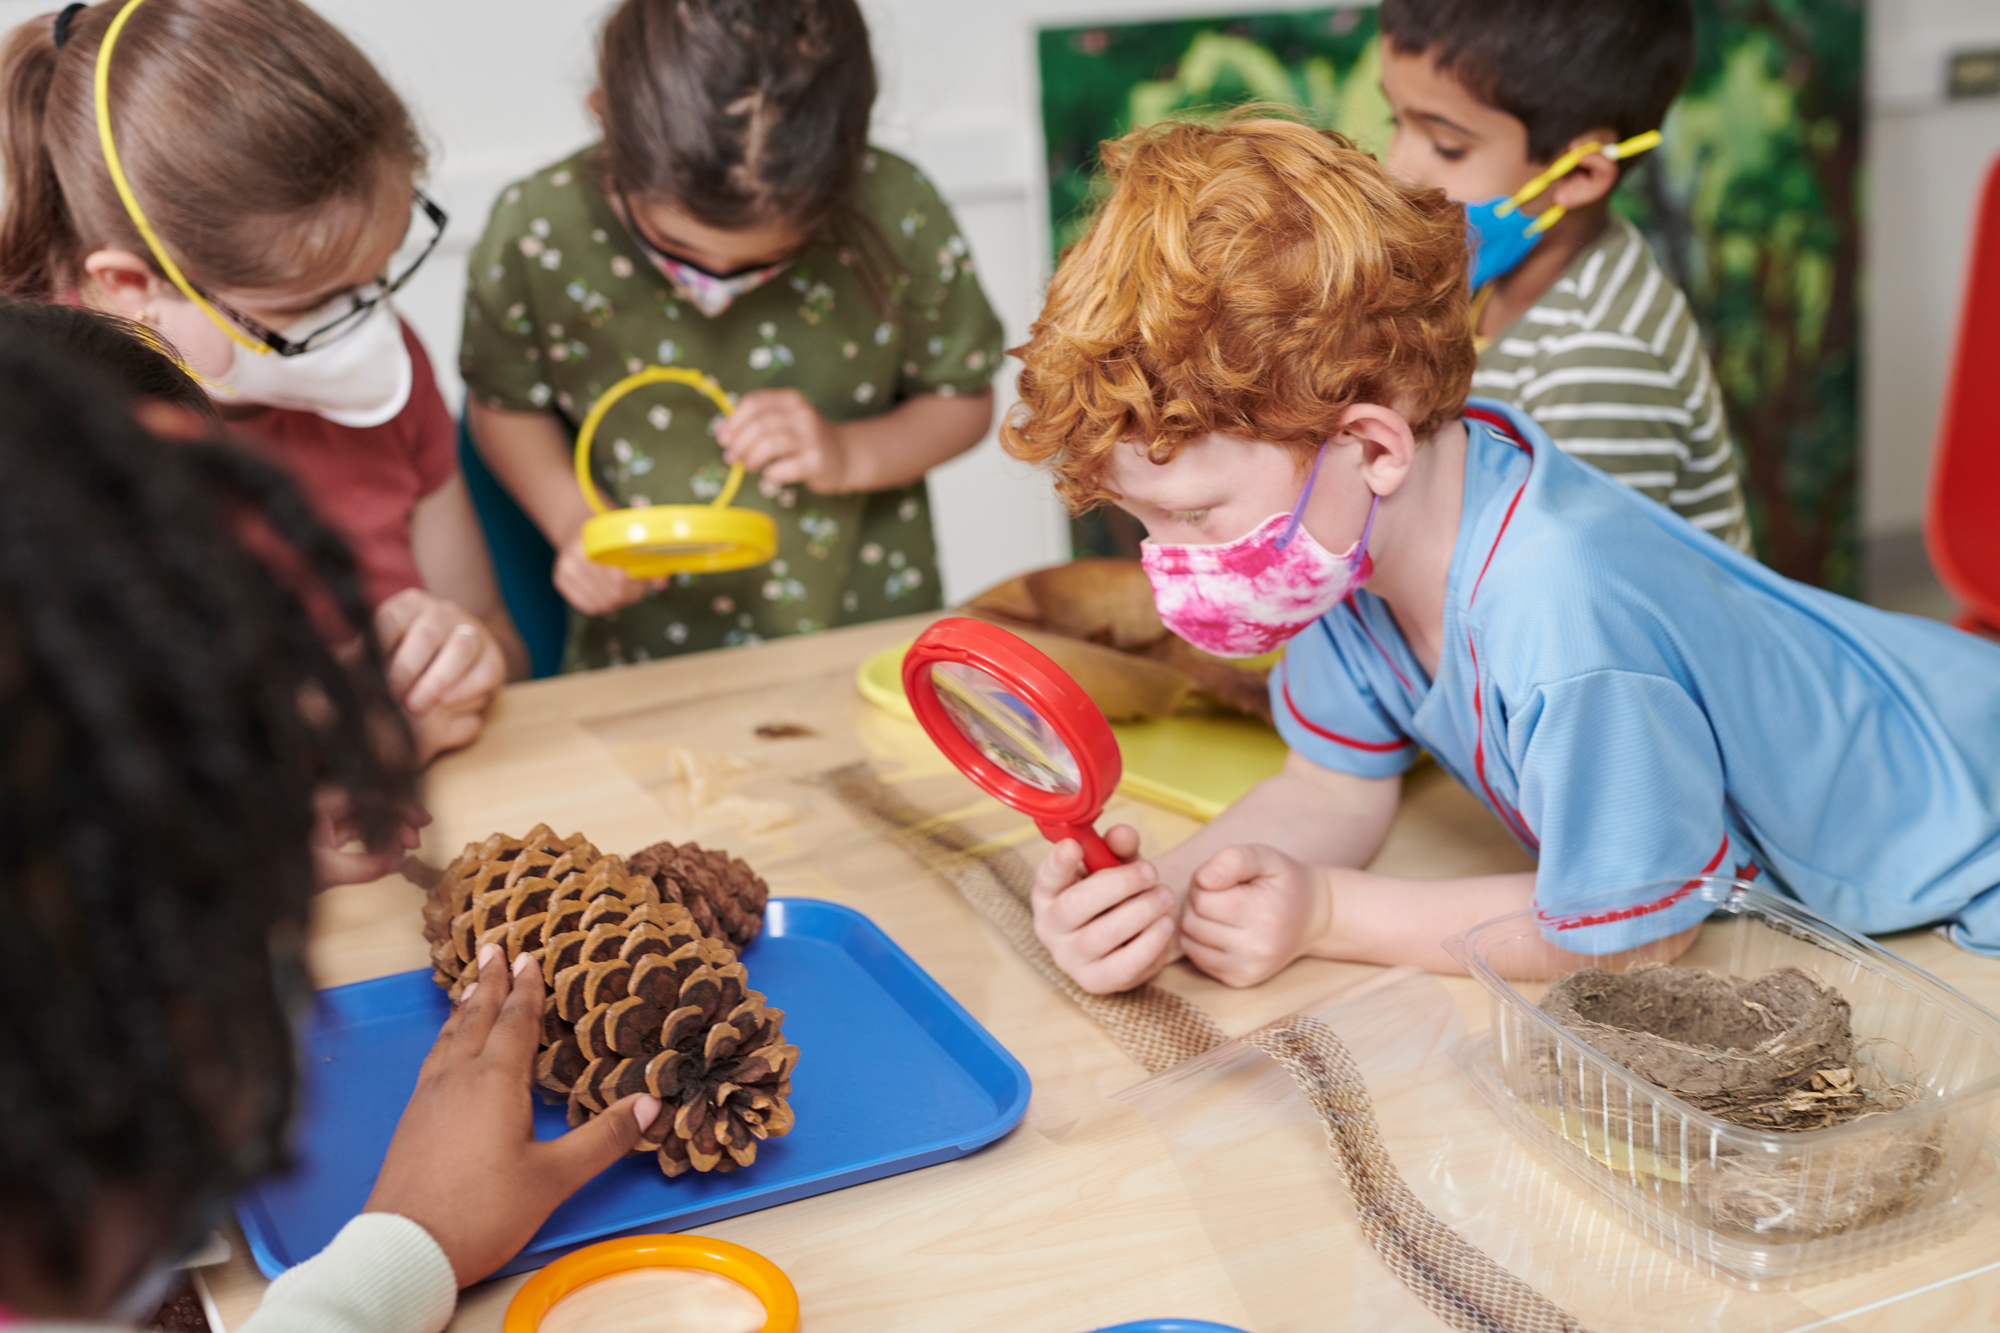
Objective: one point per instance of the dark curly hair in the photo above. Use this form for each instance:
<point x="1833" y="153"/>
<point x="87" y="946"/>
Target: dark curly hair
<point x="175" y="691"/>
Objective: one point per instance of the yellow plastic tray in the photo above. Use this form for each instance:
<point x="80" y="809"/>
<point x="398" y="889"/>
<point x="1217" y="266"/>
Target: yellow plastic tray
<point x="1197" y="766"/>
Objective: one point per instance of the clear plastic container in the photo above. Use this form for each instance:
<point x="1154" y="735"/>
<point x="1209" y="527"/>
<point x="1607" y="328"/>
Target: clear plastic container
<point x="1763" y="1206"/>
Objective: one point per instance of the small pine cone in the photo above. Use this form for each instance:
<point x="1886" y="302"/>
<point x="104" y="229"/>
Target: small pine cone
<point x="669" y="1013"/>
<point x="725" y="896"/>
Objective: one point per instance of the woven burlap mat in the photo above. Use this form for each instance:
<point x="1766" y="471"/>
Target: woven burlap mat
<point x="1454" y="1279"/>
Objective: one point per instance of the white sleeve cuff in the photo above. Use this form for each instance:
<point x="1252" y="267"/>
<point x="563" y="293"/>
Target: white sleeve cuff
<point x="382" y="1274"/>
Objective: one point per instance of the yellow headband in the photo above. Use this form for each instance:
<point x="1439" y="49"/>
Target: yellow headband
<point x="1561" y="167"/>
<point x="102" y="86"/>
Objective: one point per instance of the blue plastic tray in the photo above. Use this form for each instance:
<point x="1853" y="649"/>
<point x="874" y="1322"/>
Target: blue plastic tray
<point x="893" y="1075"/>
<point x="1172" y="1326"/>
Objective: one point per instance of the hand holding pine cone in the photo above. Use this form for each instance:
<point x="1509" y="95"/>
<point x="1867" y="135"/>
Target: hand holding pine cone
<point x="641" y="998"/>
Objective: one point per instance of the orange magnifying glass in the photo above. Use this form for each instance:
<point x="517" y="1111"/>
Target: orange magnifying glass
<point x="578" y="1269"/>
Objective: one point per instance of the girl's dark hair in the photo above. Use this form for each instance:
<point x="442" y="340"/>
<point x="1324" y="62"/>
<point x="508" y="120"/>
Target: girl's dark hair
<point x="260" y="143"/>
<point x="742" y="112"/>
<point x="139" y="359"/>
<point x="170" y="709"/>
<point x="1560" y="67"/>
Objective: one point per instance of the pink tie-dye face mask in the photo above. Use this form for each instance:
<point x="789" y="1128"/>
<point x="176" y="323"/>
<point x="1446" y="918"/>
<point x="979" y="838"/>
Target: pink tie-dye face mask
<point x="1246" y="597"/>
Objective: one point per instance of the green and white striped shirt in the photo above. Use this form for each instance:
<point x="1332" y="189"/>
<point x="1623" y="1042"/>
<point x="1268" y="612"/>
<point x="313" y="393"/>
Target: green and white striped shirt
<point x="1610" y="363"/>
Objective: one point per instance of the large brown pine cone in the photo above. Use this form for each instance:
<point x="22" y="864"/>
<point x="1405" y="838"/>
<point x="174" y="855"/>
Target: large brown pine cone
<point x="725" y="896"/>
<point x="640" y="998"/>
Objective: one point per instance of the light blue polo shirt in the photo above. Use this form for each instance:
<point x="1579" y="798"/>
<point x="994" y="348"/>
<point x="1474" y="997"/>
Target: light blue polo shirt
<point x="1637" y="701"/>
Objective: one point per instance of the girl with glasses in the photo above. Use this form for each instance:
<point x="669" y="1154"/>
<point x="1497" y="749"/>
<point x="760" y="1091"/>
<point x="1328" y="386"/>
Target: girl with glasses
<point x="733" y="219"/>
<point x="236" y="176"/>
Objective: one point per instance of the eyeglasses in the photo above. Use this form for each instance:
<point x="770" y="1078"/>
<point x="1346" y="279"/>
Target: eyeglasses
<point x="403" y="265"/>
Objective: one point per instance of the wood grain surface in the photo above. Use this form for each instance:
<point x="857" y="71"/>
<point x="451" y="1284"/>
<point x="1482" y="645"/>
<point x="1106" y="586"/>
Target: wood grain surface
<point x="1081" y="1217"/>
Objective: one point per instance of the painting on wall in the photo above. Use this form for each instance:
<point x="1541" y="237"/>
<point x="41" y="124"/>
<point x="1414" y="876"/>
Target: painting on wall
<point x="1753" y="204"/>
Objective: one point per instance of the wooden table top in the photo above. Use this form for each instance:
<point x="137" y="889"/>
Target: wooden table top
<point x="1080" y="1218"/>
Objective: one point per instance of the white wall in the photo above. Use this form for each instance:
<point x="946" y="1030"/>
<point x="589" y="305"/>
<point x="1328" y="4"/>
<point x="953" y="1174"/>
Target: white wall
<point x="1927" y="157"/>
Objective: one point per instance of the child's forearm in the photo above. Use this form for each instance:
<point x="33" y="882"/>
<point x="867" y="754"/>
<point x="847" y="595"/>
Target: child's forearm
<point x="1309" y="813"/>
<point x="529" y="452"/>
<point x="911" y="438"/>
<point x="1391" y="920"/>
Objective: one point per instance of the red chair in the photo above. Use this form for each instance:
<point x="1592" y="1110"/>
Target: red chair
<point x="1962" y="527"/>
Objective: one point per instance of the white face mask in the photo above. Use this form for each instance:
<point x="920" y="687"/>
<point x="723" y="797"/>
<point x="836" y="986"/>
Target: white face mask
<point x="360" y="379"/>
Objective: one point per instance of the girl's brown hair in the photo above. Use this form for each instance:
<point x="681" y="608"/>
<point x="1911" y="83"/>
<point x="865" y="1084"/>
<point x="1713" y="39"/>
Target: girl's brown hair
<point x="742" y="112"/>
<point x="258" y="140"/>
<point x="1253" y="278"/>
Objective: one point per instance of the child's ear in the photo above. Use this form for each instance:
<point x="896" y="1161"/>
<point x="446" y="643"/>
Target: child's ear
<point x="1590" y="179"/>
<point x="126" y="280"/>
<point x="1388" y="445"/>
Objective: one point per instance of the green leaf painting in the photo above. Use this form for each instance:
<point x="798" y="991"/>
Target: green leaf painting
<point x="1753" y="204"/>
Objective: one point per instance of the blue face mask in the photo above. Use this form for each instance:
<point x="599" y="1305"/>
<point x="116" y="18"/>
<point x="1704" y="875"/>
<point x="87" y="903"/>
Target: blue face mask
<point x="1501" y="235"/>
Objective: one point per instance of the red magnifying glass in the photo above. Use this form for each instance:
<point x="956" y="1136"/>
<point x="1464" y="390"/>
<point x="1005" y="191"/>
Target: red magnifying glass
<point x="1016" y="724"/>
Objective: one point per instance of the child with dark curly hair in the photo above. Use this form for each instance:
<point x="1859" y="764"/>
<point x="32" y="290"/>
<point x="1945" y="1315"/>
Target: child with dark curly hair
<point x="188" y="672"/>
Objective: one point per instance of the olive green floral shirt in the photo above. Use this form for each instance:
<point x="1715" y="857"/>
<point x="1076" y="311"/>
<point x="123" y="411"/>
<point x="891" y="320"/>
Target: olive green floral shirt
<point x="563" y="303"/>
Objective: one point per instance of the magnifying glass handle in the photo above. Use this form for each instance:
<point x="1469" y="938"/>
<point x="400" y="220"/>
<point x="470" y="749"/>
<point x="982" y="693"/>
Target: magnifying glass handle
<point x="1097" y="854"/>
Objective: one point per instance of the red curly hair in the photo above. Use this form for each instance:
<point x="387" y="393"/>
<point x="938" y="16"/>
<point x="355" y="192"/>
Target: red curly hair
<point x="1253" y="278"/>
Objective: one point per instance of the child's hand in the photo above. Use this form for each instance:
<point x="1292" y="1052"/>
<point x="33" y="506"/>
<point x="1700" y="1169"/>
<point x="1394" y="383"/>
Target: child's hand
<point x="439" y="655"/>
<point x="339" y="857"/>
<point x="595" y="589"/>
<point x="779" y="433"/>
<point x="1111" y="930"/>
<point x="464" y="1164"/>
<point x="1251" y="910"/>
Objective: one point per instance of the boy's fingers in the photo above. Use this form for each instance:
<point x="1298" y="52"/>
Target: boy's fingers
<point x="576" y="1158"/>
<point x="1057" y="871"/>
<point x="1131" y="964"/>
<point x="1225" y="907"/>
<point x="1123" y="840"/>
<point x="1122" y="924"/>
<point x="1216" y="932"/>
<point x="1226" y="869"/>
<point x="1087" y="899"/>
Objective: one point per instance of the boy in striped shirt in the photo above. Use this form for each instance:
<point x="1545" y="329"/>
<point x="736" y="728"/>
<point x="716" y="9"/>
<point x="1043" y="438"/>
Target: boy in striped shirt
<point x="1587" y="334"/>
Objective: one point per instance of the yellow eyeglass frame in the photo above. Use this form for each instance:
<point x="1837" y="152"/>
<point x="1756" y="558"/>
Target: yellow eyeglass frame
<point x="1562" y="166"/>
<point x="660" y="540"/>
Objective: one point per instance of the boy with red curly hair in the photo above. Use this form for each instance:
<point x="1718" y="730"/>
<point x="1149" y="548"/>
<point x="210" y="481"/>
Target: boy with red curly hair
<point x="1260" y="350"/>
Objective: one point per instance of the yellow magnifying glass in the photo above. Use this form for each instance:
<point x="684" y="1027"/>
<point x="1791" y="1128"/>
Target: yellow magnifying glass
<point x="658" y="540"/>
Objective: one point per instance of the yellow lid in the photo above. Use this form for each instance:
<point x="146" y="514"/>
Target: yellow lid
<point x="659" y="540"/>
